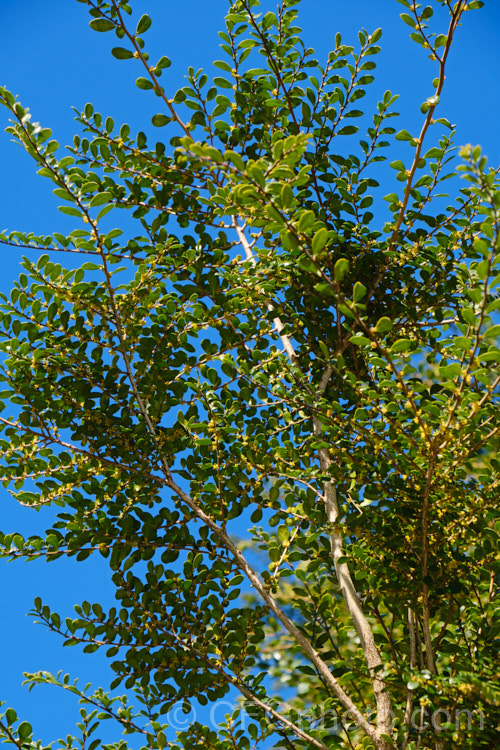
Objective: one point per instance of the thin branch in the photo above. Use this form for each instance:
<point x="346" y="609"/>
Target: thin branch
<point x="427" y="123"/>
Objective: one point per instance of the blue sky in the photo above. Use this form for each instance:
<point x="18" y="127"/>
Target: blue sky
<point x="52" y="60"/>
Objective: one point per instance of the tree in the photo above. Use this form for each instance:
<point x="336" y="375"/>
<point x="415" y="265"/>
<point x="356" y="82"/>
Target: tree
<point x="264" y="351"/>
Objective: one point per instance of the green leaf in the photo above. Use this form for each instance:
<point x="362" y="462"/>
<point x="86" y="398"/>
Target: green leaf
<point x="10" y="716"/>
<point x="325" y="289"/>
<point x="101" y="24"/>
<point x="399" y="165"/>
<point x="307" y="265"/>
<point x="401" y="345"/>
<point x="235" y="159"/>
<point x="71" y="211"/>
<point x="492" y="332"/>
<point x="319" y="241"/>
<point x="340" y="269"/>
<point x="283" y="533"/>
<point x="159" y="120"/>
<point x="463" y="343"/>
<point x="274" y="554"/>
<point x="253" y="731"/>
<point x="469" y="316"/>
<point x="222" y="65"/>
<point x="222" y="83"/>
<point x="450" y="371"/>
<point x="404" y="135"/>
<point x="144" y="24"/>
<point x="100" y="199"/>
<point x="109" y="207"/>
<point x="121" y="53"/>
<point x="383" y="325"/>
<point x="163" y="63"/>
<point x="348" y="130"/>
<point x="306" y="221"/>
<point x="409" y="20"/>
<point x="360" y="340"/>
<point x="269" y="20"/>
<point x="144" y="83"/>
<point x="24" y="731"/>
<point x="358" y="292"/>
<point x="286" y="197"/>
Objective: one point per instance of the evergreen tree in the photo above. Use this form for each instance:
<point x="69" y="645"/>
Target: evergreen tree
<point x="272" y="409"/>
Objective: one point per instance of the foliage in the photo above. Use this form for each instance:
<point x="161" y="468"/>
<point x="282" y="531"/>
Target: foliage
<point x="264" y="351"/>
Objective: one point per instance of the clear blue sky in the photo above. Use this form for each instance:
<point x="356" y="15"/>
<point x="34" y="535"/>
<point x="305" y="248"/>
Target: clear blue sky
<point x="52" y="60"/>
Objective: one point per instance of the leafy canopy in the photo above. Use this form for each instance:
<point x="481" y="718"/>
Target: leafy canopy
<point x="267" y="399"/>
